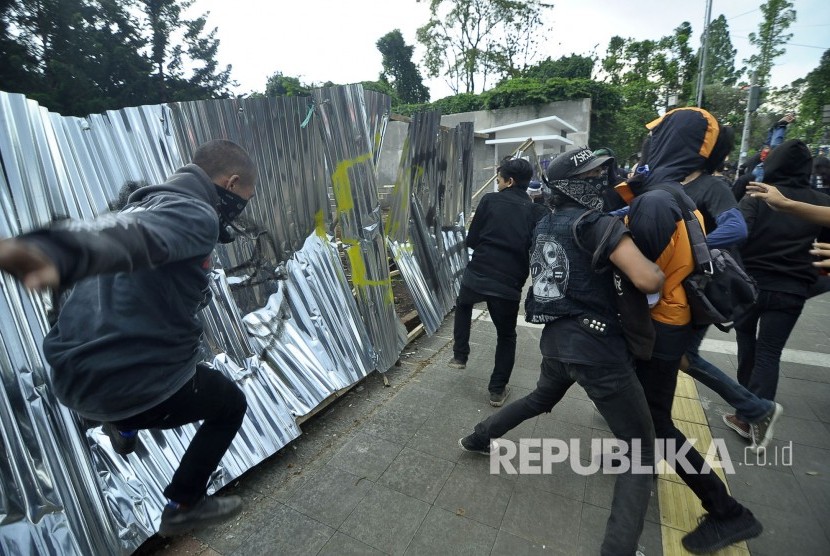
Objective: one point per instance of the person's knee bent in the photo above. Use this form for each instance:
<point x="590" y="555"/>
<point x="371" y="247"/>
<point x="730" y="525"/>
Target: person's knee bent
<point x="237" y="405"/>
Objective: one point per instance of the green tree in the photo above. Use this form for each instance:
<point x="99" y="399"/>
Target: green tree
<point x="18" y="73"/>
<point x="573" y="66"/>
<point x="399" y="70"/>
<point x="815" y="95"/>
<point x="163" y="22"/>
<point x="279" y="85"/>
<point x="471" y="41"/>
<point x="770" y="38"/>
<point x="720" y="59"/>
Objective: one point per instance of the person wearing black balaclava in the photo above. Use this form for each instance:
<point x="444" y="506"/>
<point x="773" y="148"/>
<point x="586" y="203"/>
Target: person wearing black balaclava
<point x="125" y="348"/>
<point x="777" y="255"/>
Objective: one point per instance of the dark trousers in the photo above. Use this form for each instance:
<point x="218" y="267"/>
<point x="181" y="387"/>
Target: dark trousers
<point x="210" y="397"/>
<point x="504" y="313"/>
<point x="659" y="379"/>
<point x="619" y="398"/>
<point x="762" y="333"/>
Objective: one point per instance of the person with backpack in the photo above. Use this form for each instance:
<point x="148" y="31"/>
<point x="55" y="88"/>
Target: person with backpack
<point x="573" y="254"/>
<point x="777" y="255"/>
<point x="680" y="142"/>
<point x="725" y="229"/>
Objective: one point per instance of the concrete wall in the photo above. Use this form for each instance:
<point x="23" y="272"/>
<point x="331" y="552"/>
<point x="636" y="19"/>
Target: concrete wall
<point x="575" y="112"/>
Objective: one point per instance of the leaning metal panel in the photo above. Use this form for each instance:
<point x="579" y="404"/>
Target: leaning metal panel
<point x="341" y="120"/>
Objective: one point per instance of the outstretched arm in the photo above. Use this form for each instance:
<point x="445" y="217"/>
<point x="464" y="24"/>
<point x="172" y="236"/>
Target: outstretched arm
<point x="770" y="194"/>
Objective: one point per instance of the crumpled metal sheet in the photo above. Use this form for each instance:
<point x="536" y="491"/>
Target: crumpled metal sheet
<point x="62" y="488"/>
<point x="342" y="122"/>
<point x="425" y="231"/>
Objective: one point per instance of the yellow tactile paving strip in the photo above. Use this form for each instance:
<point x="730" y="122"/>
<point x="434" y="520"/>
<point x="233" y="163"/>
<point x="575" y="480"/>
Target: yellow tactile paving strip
<point x="679" y="507"/>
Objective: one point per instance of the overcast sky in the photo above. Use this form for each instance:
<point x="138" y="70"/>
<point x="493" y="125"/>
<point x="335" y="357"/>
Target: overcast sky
<point x="334" y="40"/>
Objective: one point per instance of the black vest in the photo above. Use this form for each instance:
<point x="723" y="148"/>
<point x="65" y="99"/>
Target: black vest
<point x="563" y="283"/>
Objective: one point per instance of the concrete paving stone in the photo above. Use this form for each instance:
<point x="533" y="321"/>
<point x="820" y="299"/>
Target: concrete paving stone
<point x="522" y="431"/>
<point x="804" y="388"/>
<point x="395" y="424"/>
<point x="805" y="372"/>
<point x="461" y="409"/>
<point x="787" y="532"/>
<point x="816" y="489"/>
<point x="548" y="426"/>
<point x="805" y="431"/>
<point x="808" y="459"/>
<point x="417" y="474"/>
<point x="476" y="493"/>
<point x="508" y="544"/>
<point x="330" y="495"/>
<point x="561" y="480"/>
<point x="418" y="399"/>
<point x="366" y="456"/>
<point x="444" y="532"/>
<point x="439" y="436"/>
<point x="820" y="407"/>
<point x="479" y="463"/>
<point x="599" y="492"/>
<point x="795" y="407"/>
<point x="342" y="544"/>
<point x="543" y="517"/>
<point x="386" y="519"/>
<point x="437" y="379"/>
<point x="228" y="536"/>
<point x="592" y="532"/>
<point x="285" y="531"/>
<point x="753" y="485"/>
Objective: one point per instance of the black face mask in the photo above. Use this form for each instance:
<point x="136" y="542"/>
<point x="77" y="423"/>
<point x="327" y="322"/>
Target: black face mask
<point x="229" y="207"/>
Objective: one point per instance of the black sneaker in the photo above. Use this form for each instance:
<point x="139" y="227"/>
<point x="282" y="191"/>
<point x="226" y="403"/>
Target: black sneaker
<point x="713" y="533"/>
<point x="456" y="363"/>
<point x="497" y="398"/>
<point x="761" y="432"/>
<point x="469" y="444"/>
<point x="207" y="511"/>
<point x="123" y="443"/>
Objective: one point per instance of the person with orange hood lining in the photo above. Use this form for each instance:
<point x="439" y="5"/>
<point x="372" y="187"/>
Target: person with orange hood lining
<point x="680" y="142"/>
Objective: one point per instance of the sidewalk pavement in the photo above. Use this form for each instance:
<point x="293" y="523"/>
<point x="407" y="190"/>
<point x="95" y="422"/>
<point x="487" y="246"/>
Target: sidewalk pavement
<point x="379" y="471"/>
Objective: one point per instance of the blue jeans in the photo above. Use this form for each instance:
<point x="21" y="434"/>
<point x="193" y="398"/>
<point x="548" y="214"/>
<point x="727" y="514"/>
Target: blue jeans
<point x="620" y="399"/>
<point x="504" y="313"/>
<point x="762" y="333"/>
<point x="748" y="407"/>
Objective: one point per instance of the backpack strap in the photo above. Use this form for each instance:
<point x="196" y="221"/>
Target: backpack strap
<point x="605" y="235"/>
<point x="697" y="237"/>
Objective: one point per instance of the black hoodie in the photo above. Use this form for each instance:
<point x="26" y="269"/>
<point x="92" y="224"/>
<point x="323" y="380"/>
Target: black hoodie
<point x="776" y="250"/>
<point x="128" y="337"/>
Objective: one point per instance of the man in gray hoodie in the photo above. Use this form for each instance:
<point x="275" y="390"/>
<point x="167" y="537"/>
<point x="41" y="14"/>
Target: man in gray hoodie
<point x="125" y="347"/>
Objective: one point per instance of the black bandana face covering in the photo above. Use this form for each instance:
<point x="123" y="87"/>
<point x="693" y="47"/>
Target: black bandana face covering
<point x="230" y="206"/>
<point x="587" y="191"/>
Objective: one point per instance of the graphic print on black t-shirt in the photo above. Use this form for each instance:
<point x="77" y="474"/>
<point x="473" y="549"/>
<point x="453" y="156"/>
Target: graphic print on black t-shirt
<point x="549" y="269"/>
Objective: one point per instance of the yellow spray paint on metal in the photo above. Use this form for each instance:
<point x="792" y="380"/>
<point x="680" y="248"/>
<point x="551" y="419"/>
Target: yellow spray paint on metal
<point x="395" y="226"/>
<point x="342" y="186"/>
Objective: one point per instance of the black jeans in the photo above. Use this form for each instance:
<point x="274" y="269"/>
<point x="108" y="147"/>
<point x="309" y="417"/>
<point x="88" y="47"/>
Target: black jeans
<point x="659" y="379"/>
<point x="209" y="396"/>
<point x="762" y="333"/>
<point x="504" y="313"/>
<point x="619" y="398"/>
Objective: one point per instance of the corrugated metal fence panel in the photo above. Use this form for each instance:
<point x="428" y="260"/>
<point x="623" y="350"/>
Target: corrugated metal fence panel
<point x="283" y="323"/>
<point x="341" y="120"/>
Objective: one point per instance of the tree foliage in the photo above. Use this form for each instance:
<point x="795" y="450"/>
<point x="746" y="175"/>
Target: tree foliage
<point x="573" y="66"/>
<point x="83" y="56"/>
<point x="399" y="70"/>
<point x="770" y="38"/>
<point x="279" y="85"/>
<point x="472" y="41"/>
<point x="814" y="96"/>
<point x="720" y="59"/>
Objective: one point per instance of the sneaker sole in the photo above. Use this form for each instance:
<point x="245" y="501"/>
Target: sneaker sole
<point x="482" y="452"/>
<point x="735" y="428"/>
<point x="506" y="395"/>
<point x="746" y="534"/>
<point x="777" y="412"/>
<point x="176" y="530"/>
<point x="457" y="365"/>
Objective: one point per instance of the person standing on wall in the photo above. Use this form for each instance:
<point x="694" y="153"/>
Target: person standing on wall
<point x="500" y="235"/>
<point x="125" y="348"/>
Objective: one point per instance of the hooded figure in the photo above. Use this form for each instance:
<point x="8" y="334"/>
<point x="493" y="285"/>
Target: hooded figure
<point x="776" y="254"/>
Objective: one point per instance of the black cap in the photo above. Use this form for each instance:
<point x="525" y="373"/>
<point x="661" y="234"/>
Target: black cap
<point x="574" y="162"/>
